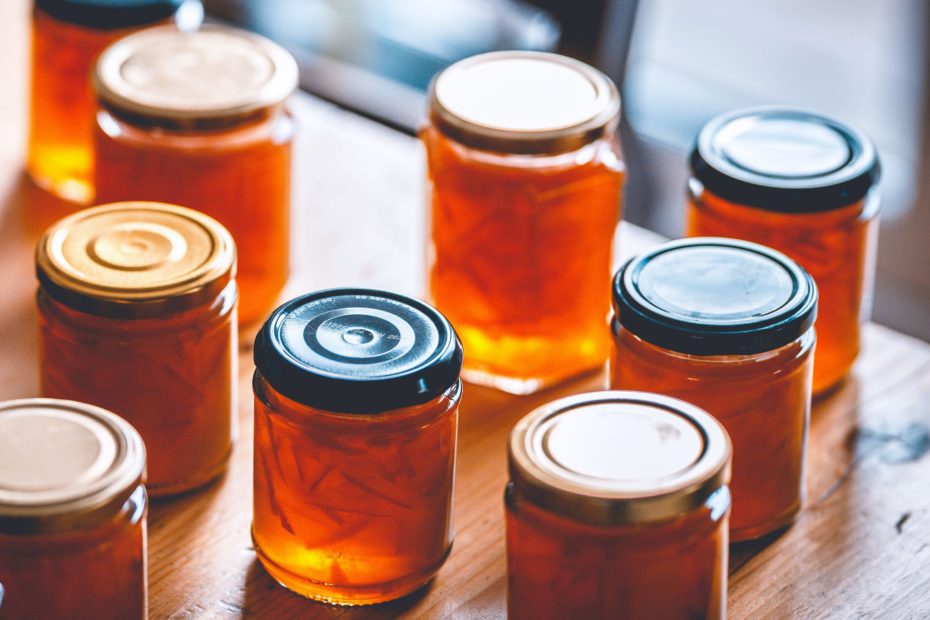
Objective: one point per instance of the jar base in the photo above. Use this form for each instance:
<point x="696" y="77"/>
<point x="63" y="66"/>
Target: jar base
<point x="169" y="490"/>
<point x="770" y="528"/>
<point x="73" y="190"/>
<point x="348" y="596"/>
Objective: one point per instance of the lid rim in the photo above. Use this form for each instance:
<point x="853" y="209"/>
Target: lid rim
<point x="749" y="336"/>
<point x="844" y="186"/>
<point x="682" y="491"/>
<point x="108" y="15"/>
<point x="528" y="142"/>
<point x="330" y="391"/>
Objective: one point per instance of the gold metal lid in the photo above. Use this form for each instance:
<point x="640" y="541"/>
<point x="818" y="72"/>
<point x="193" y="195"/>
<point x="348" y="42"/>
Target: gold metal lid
<point x="523" y="102"/>
<point x="213" y="74"/>
<point x="609" y="458"/>
<point x="64" y="465"/>
<point x="135" y="259"/>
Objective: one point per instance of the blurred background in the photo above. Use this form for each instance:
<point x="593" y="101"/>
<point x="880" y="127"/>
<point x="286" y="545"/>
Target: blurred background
<point x="678" y="64"/>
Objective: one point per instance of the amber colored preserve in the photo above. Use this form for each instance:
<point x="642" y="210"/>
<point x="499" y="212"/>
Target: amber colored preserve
<point x="808" y="192"/>
<point x="523" y="208"/>
<point x="726" y="325"/>
<point x="137" y="315"/>
<point x="72" y="513"/>
<point x="617" y="508"/>
<point x="356" y="408"/>
<point x="66" y="39"/>
<point x="204" y="138"/>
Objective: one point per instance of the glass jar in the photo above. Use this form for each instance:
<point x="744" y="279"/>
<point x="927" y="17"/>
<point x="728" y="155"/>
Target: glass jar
<point x="72" y="513"/>
<point x="804" y="184"/>
<point x="137" y="306"/>
<point x="525" y="175"/>
<point x="67" y="36"/>
<point x="727" y="325"/>
<point x="617" y="508"/>
<point x="198" y="119"/>
<point x="356" y="409"/>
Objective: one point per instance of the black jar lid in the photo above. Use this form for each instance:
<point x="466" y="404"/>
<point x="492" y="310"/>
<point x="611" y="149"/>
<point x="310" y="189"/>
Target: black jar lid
<point x="714" y="296"/>
<point x="109" y="14"/>
<point x="358" y="351"/>
<point x="784" y="159"/>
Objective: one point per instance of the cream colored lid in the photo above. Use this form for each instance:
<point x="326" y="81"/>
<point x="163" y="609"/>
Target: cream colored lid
<point x="123" y="259"/>
<point x="213" y="73"/>
<point x="523" y="102"/>
<point x="64" y="463"/>
<point x="619" y="457"/>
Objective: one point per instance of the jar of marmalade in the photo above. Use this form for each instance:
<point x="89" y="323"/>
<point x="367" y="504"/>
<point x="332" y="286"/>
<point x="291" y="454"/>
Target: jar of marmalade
<point x="525" y="175"/>
<point x="67" y="35"/>
<point x="617" y="508"/>
<point x="727" y="325"/>
<point x="137" y="306"/>
<point x="356" y="407"/>
<point x="72" y="513"/>
<point x="804" y="184"/>
<point x="198" y="119"/>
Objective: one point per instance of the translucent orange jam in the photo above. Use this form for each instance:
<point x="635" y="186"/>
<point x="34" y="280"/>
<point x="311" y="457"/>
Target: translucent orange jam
<point x="194" y="138"/>
<point x="727" y="326"/>
<point x="146" y="329"/>
<point x="617" y="508"/>
<point x="808" y="192"/>
<point x="67" y="36"/>
<point x="72" y="513"/>
<point x="525" y="176"/>
<point x="354" y="470"/>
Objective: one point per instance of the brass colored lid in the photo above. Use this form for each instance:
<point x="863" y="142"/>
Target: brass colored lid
<point x="64" y="464"/>
<point x="523" y="102"/>
<point x="135" y="259"/>
<point x="610" y="458"/>
<point x="212" y="74"/>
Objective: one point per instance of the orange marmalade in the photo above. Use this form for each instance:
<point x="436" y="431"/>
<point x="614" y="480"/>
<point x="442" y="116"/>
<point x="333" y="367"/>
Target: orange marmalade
<point x="67" y="36"/>
<point x="525" y="175"/>
<point x="804" y="184"/>
<point x="617" y="508"/>
<point x="726" y="325"/>
<point x="356" y="409"/>
<point x="72" y="513"/>
<point x="137" y="314"/>
<point x="198" y="119"/>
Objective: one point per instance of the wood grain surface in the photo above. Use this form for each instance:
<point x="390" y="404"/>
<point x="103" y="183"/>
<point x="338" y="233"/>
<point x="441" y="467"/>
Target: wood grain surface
<point x="860" y="549"/>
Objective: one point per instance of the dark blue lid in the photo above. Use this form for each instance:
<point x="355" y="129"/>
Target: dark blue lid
<point x="714" y="296"/>
<point x="784" y="159"/>
<point x="109" y="14"/>
<point x="358" y="351"/>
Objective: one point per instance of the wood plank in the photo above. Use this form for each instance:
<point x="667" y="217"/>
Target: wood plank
<point x="861" y="548"/>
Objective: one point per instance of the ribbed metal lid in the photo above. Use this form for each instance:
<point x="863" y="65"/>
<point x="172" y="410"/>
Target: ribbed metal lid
<point x="523" y="102"/>
<point x="610" y="458"/>
<point x="135" y="259"/>
<point x="64" y="464"/>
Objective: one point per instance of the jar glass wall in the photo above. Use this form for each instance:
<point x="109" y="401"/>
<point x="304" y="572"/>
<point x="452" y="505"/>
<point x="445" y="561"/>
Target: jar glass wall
<point x="66" y="39"/>
<point x="727" y="325"/>
<point x="522" y="216"/>
<point x="192" y="139"/>
<point x="141" y="320"/>
<point x="617" y="507"/>
<point x="803" y="184"/>
<point x="72" y="513"/>
<point x="356" y="411"/>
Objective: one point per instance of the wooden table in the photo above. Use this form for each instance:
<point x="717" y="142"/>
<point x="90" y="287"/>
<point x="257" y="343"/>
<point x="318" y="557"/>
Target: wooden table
<point x="861" y="548"/>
